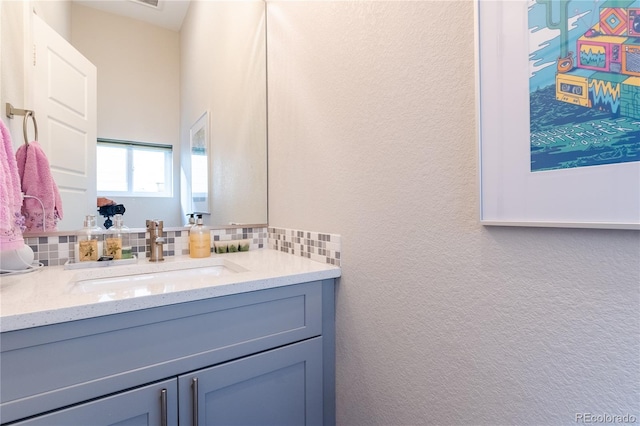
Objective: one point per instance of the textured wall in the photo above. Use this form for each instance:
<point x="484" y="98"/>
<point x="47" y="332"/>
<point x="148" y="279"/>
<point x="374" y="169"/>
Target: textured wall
<point x="439" y="319"/>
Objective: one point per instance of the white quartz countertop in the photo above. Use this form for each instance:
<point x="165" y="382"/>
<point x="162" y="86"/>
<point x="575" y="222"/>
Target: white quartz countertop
<point x="53" y="294"/>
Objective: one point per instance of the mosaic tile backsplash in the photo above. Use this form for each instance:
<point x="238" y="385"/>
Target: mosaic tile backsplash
<point x="316" y="246"/>
<point x="325" y="248"/>
<point x="57" y="250"/>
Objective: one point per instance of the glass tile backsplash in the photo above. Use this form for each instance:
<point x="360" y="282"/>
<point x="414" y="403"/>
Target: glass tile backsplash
<point x="316" y="246"/>
<point x="325" y="248"/>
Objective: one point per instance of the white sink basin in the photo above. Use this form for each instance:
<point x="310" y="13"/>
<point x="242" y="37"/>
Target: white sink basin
<point x="148" y="278"/>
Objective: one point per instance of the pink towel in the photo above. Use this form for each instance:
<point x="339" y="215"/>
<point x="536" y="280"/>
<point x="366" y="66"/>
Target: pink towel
<point x="11" y="220"/>
<point x="37" y="181"/>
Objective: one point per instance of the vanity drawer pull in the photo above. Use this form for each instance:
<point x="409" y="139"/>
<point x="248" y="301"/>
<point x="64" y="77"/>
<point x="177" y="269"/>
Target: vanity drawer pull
<point x="194" y="395"/>
<point x="163" y="407"/>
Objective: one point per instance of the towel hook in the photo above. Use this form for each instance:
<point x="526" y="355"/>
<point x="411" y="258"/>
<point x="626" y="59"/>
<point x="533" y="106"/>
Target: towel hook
<point x="24" y="126"/>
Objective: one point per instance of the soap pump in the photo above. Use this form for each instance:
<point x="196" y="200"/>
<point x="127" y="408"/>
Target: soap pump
<point x="118" y="240"/>
<point x="192" y="219"/>
<point x="90" y="241"/>
<point x="199" y="239"/>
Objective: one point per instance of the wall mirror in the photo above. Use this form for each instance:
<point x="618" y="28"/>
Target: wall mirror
<point x="154" y="83"/>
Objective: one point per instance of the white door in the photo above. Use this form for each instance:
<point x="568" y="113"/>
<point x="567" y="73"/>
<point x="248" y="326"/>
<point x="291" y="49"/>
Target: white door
<point x="65" y="104"/>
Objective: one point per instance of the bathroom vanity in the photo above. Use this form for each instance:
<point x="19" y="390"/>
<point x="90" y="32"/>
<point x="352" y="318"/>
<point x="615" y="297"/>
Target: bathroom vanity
<point x="255" y="346"/>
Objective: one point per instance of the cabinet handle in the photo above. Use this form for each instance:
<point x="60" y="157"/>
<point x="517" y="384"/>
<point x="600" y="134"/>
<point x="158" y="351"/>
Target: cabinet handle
<point x="163" y="407"/>
<point x="194" y="395"/>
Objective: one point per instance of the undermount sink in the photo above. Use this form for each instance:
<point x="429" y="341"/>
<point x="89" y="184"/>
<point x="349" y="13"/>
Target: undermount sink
<point x="153" y="278"/>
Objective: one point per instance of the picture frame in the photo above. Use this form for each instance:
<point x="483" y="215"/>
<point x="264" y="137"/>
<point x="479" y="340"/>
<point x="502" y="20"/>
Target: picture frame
<point x="544" y="159"/>
<point x="199" y="144"/>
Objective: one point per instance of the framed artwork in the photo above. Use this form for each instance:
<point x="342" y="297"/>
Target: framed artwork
<point x="199" y="145"/>
<point x="559" y="112"/>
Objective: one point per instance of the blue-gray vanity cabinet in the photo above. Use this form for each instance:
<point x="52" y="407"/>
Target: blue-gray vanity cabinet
<point x="274" y="334"/>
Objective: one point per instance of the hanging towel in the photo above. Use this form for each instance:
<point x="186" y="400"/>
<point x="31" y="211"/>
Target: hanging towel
<point x="11" y="219"/>
<point x="37" y="181"/>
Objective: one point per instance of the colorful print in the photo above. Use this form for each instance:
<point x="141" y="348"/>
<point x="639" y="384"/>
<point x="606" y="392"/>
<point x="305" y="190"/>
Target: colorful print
<point x="584" y="83"/>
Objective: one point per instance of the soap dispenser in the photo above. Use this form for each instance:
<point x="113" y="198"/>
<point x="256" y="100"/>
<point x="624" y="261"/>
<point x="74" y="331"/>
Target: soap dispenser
<point x="118" y="240"/>
<point x="89" y="246"/>
<point x="192" y="219"/>
<point x="199" y="239"/>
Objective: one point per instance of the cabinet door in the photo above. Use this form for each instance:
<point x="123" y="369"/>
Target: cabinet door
<point x="278" y="387"/>
<point x="151" y="405"/>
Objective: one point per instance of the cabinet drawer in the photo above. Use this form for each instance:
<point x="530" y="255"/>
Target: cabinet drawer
<point x="49" y="367"/>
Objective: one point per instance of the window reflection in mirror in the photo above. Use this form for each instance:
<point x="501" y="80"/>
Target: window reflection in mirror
<point x="127" y="168"/>
<point x="200" y="165"/>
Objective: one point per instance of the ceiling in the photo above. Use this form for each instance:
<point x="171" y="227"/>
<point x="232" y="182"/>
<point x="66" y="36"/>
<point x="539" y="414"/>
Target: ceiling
<point x="169" y="13"/>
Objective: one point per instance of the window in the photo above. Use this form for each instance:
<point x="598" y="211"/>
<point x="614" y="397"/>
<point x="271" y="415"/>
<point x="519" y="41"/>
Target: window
<point x="134" y="168"/>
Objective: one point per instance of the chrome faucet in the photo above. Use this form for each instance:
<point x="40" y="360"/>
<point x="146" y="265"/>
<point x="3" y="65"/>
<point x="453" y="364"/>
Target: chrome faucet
<point x="156" y="240"/>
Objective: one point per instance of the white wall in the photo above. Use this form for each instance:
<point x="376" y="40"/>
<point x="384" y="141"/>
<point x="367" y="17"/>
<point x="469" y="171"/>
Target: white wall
<point x="138" y="93"/>
<point x="56" y="13"/>
<point x="12" y="65"/>
<point x="223" y="72"/>
<point x="439" y="319"/>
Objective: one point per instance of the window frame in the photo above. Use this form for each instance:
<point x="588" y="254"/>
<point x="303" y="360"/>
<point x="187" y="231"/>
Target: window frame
<point x="131" y="146"/>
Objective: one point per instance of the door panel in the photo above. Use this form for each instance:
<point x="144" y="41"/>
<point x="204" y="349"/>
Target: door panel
<point x="65" y="104"/>
<point x="278" y="387"/>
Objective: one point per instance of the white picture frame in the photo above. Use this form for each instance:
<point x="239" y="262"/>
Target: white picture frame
<point x="511" y="194"/>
